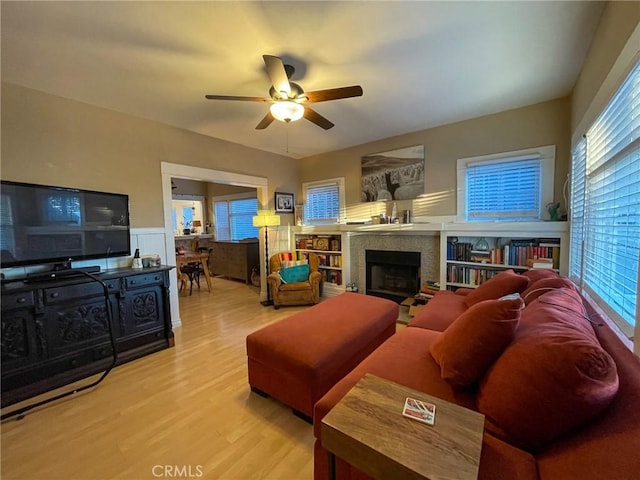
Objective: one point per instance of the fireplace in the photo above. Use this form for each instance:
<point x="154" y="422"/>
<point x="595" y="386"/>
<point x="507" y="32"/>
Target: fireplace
<point x="392" y="275"/>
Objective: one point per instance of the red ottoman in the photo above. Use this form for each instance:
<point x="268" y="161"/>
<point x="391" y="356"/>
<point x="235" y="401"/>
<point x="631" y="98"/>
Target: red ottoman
<point x="298" y="359"/>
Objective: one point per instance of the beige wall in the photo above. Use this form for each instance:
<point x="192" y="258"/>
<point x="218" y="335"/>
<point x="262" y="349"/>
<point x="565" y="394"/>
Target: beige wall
<point x="219" y="190"/>
<point x="51" y="140"/>
<point x="618" y="21"/>
<point x="188" y="187"/>
<point x="533" y="126"/>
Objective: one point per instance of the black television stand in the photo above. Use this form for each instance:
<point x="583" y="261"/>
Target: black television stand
<point x="61" y="273"/>
<point x="59" y="330"/>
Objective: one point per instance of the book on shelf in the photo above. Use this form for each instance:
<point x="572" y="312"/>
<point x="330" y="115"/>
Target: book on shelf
<point x="516" y="252"/>
<point x="480" y="256"/>
<point x="328" y="260"/>
<point x="540" y="263"/>
<point x="549" y="242"/>
<point x="332" y="276"/>
<point x="519" y="252"/>
<point x="469" y="275"/>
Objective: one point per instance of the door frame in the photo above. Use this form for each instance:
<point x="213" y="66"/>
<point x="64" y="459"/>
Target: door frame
<point x="174" y="170"/>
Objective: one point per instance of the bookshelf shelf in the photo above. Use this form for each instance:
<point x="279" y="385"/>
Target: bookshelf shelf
<point x="487" y="265"/>
<point x="464" y="265"/>
<point x="328" y="247"/>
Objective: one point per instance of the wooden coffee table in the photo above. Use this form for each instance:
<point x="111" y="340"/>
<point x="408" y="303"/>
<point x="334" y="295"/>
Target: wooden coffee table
<point x="367" y="429"/>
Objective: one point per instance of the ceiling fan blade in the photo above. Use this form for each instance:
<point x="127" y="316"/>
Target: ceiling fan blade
<point x="277" y="74"/>
<point x="233" y="97"/>
<point x="333" y="94"/>
<point x="316" y="118"/>
<point x="265" y="122"/>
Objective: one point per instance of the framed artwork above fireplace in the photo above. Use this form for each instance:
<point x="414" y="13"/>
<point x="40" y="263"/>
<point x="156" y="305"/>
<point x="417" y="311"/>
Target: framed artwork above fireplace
<point x="393" y="175"/>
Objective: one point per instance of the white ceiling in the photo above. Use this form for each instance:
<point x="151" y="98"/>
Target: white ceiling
<point x="420" y="64"/>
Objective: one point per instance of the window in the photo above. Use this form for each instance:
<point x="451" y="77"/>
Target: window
<point x="512" y="186"/>
<point x="324" y="201"/>
<point x="605" y="206"/>
<point x="234" y="218"/>
<point x="185" y="209"/>
<point x="576" y="207"/>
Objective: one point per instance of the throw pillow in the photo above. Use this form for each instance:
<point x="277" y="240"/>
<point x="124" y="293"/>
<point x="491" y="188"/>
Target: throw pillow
<point x="551" y="379"/>
<point x="297" y="273"/>
<point x="502" y="284"/>
<point x="476" y="339"/>
<point x="544" y="285"/>
<point x="292" y="263"/>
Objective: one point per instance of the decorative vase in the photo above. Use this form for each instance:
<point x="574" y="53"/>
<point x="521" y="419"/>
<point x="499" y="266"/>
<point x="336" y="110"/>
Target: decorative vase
<point x="481" y="245"/>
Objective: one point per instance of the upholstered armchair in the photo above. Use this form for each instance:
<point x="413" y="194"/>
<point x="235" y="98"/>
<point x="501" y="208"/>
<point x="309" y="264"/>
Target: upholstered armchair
<point x="300" y="291"/>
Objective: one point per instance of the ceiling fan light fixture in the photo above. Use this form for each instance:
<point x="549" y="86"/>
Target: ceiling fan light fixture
<point x="287" y="111"/>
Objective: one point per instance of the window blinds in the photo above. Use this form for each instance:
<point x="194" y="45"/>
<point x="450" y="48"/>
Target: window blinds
<point x="241" y="214"/>
<point x="234" y="219"/>
<point x="610" y="198"/>
<point x="576" y="208"/>
<point x="223" y="230"/>
<point x="322" y="204"/>
<point x="504" y="190"/>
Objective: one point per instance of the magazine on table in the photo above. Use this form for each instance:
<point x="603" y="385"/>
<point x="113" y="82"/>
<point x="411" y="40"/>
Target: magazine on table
<point x="418" y="410"/>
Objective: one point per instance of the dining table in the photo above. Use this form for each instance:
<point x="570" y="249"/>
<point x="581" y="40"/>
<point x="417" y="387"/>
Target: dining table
<point x="193" y="257"/>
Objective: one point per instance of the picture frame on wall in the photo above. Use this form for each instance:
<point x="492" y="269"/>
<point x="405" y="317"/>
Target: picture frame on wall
<point x="284" y="202"/>
<point x="394" y="175"/>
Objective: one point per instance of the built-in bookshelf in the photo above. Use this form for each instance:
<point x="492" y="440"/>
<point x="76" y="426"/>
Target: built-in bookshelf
<point x="509" y="245"/>
<point x="470" y="258"/>
<point x="328" y="248"/>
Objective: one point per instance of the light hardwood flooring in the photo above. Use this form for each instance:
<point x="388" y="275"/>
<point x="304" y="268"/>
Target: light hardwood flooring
<point x="188" y="407"/>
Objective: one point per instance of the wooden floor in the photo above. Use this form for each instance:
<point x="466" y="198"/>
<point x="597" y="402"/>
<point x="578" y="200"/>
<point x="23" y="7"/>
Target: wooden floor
<point x="187" y="407"/>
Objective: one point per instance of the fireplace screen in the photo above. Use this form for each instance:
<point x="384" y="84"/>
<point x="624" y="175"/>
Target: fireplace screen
<point x="392" y="275"/>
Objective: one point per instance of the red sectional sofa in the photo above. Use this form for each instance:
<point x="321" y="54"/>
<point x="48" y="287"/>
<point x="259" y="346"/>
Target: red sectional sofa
<point x="560" y="392"/>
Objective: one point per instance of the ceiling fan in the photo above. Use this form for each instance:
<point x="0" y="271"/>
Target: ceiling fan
<point x="288" y="99"/>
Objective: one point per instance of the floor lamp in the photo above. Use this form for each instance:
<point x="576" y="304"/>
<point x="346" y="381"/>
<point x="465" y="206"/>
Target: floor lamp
<point x="266" y="219"/>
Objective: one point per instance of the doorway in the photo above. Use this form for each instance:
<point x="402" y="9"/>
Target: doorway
<point x="169" y="170"/>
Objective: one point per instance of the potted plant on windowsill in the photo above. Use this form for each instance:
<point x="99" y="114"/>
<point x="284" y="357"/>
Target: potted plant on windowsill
<point x="186" y="227"/>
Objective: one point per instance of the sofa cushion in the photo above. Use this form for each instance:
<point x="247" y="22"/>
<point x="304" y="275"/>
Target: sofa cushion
<point x="296" y="273"/>
<point x="536" y="274"/>
<point x="554" y="377"/>
<point x="404" y="358"/>
<point x="476" y="339"/>
<point x="499" y="460"/>
<point x="440" y="311"/>
<point x="502" y="284"/>
<point x="606" y="448"/>
<point x="542" y="286"/>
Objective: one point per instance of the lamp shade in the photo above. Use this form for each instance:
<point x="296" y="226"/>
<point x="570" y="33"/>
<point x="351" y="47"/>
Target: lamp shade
<point x="266" y="218"/>
<point x="287" y="111"/>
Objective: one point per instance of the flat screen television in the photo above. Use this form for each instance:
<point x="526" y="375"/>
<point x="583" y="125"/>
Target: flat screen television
<point x="42" y="224"/>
